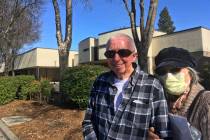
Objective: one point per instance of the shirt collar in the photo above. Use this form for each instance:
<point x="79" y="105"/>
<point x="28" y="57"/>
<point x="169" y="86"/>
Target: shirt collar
<point x="133" y="78"/>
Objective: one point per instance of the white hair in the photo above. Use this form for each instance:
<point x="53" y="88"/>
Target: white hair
<point x="194" y="75"/>
<point x="124" y="36"/>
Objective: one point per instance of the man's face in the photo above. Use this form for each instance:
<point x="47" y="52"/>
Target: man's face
<point x="122" y="57"/>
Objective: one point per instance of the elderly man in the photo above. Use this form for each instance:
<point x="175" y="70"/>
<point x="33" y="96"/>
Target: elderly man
<point x="125" y="101"/>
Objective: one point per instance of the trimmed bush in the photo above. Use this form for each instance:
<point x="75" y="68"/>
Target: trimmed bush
<point x="32" y="89"/>
<point x="8" y="90"/>
<point x="77" y="82"/>
<point x="38" y="90"/>
<point x="11" y="85"/>
<point x="24" y="82"/>
<point x="23" y="87"/>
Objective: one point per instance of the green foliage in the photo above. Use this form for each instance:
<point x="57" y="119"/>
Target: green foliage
<point x="33" y="88"/>
<point x="205" y="76"/>
<point x="77" y="82"/>
<point x="10" y="85"/>
<point x="23" y="87"/>
<point x="8" y="90"/>
<point x="46" y="87"/>
<point x="165" y="23"/>
<point x="38" y="90"/>
<point x="24" y="82"/>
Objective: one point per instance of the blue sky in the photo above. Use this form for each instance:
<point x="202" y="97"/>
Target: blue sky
<point x="105" y="16"/>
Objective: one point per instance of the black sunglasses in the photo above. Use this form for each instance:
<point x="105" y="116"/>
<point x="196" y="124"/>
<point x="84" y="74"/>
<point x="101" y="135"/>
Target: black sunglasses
<point x="163" y="71"/>
<point x="121" y="53"/>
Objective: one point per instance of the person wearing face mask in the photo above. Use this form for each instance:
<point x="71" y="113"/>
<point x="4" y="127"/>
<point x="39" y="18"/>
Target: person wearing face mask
<point x="175" y="67"/>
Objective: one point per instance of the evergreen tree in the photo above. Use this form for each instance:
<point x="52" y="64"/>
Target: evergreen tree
<point x="165" y="23"/>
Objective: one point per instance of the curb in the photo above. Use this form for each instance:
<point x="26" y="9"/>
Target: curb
<point x="7" y="132"/>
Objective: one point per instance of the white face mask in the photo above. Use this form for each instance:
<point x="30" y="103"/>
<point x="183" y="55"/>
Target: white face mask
<point x="174" y="83"/>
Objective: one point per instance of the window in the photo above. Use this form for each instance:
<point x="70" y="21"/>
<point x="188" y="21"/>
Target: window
<point x="87" y="49"/>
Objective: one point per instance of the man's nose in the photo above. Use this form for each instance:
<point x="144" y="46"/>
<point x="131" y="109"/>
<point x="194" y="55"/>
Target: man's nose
<point x="116" y="57"/>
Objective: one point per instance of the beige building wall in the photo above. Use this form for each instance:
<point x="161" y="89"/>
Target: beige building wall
<point x="50" y="57"/>
<point x="73" y="60"/>
<point x="41" y="57"/>
<point x="85" y="50"/>
<point x="195" y="40"/>
<point x="47" y="57"/>
<point x="26" y="60"/>
<point x="103" y="38"/>
<point x="188" y="39"/>
<point x="101" y="52"/>
<point x="2" y="65"/>
<point x="76" y="59"/>
<point x="206" y="42"/>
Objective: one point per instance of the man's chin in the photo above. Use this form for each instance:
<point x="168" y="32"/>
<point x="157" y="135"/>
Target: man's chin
<point x="119" y="71"/>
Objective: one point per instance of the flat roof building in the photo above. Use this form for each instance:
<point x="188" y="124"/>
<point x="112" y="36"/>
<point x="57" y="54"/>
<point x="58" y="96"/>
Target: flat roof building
<point x="196" y="40"/>
<point x="41" y="62"/>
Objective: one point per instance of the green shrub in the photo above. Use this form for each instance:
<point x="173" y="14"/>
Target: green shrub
<point x="205" y="76"/>
<point x="8" y="90"/>
<point x="38" y="90"/>
<point x="77" y="82"/>
<point x="33" y="89"/>
<point x="10" y="85"/>
<point x="23" y="87"/>
<point x="24" y="82"/>
<point x="46" y="88"/>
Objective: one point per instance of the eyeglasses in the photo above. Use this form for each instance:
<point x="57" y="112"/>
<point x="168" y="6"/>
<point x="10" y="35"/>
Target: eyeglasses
<point x="163" y="71"/>
<point x="121" y="53"/>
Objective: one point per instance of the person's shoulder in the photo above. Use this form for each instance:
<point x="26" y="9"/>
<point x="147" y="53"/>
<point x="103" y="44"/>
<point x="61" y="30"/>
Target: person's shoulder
<point x="151" y="79"/>
<point x="104" y="76"/>
<point x="205" y="95"/>
<point x="203" y="100"/>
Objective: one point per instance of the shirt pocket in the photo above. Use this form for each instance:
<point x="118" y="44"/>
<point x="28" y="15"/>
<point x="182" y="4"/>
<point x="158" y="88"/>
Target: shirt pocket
<point x="138" y="113"/>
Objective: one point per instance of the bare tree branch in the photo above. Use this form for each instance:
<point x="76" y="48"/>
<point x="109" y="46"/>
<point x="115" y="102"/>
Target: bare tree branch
<point x="57" y="22"/>
<point x="146" y="32"/>
<point x="19" y="25"/>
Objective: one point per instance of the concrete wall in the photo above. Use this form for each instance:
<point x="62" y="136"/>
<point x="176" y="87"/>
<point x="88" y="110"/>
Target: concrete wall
<point x="103" y="38"/>
<point x="194" y="40"/>
<point x="26" y="60"/>
<point x="189" y="39"/>
<point x="41" y="57"/>
<point x="206" y="42"/>
<point x="2" y="65"/>
<point x="50" y="58"/>
<point x="85" y="50"/>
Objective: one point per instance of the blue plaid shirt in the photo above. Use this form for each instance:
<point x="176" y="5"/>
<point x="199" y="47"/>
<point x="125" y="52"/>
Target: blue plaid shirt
<point x="143" y="106"/>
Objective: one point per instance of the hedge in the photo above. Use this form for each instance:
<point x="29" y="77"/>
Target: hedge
<point x="9" y="87"/>
<point x="77" y="82"/>
<point x="23" y="87"/>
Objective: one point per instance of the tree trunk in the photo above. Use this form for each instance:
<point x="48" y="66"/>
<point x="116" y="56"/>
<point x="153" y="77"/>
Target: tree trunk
<point x="142" y="43"/>
<point x="64" y="45"/>
<point x="63" y="59"/>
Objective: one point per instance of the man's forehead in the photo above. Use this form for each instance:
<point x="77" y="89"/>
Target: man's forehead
<point x="119" y="43"/>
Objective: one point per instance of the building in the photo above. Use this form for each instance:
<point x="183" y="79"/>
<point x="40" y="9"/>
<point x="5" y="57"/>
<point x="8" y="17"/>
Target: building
<point x="44" y="63"/>
<point x="41" y="62"/>
<point x="196" y="40"/>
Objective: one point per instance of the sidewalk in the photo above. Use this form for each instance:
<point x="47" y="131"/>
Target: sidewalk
<point x="6" y="133"/>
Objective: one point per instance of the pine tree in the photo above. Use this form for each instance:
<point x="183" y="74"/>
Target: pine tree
<point x="165" y="23"/>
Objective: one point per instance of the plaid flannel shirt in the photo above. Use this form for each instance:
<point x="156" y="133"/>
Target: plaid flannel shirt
<point x="143" y="106"/>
